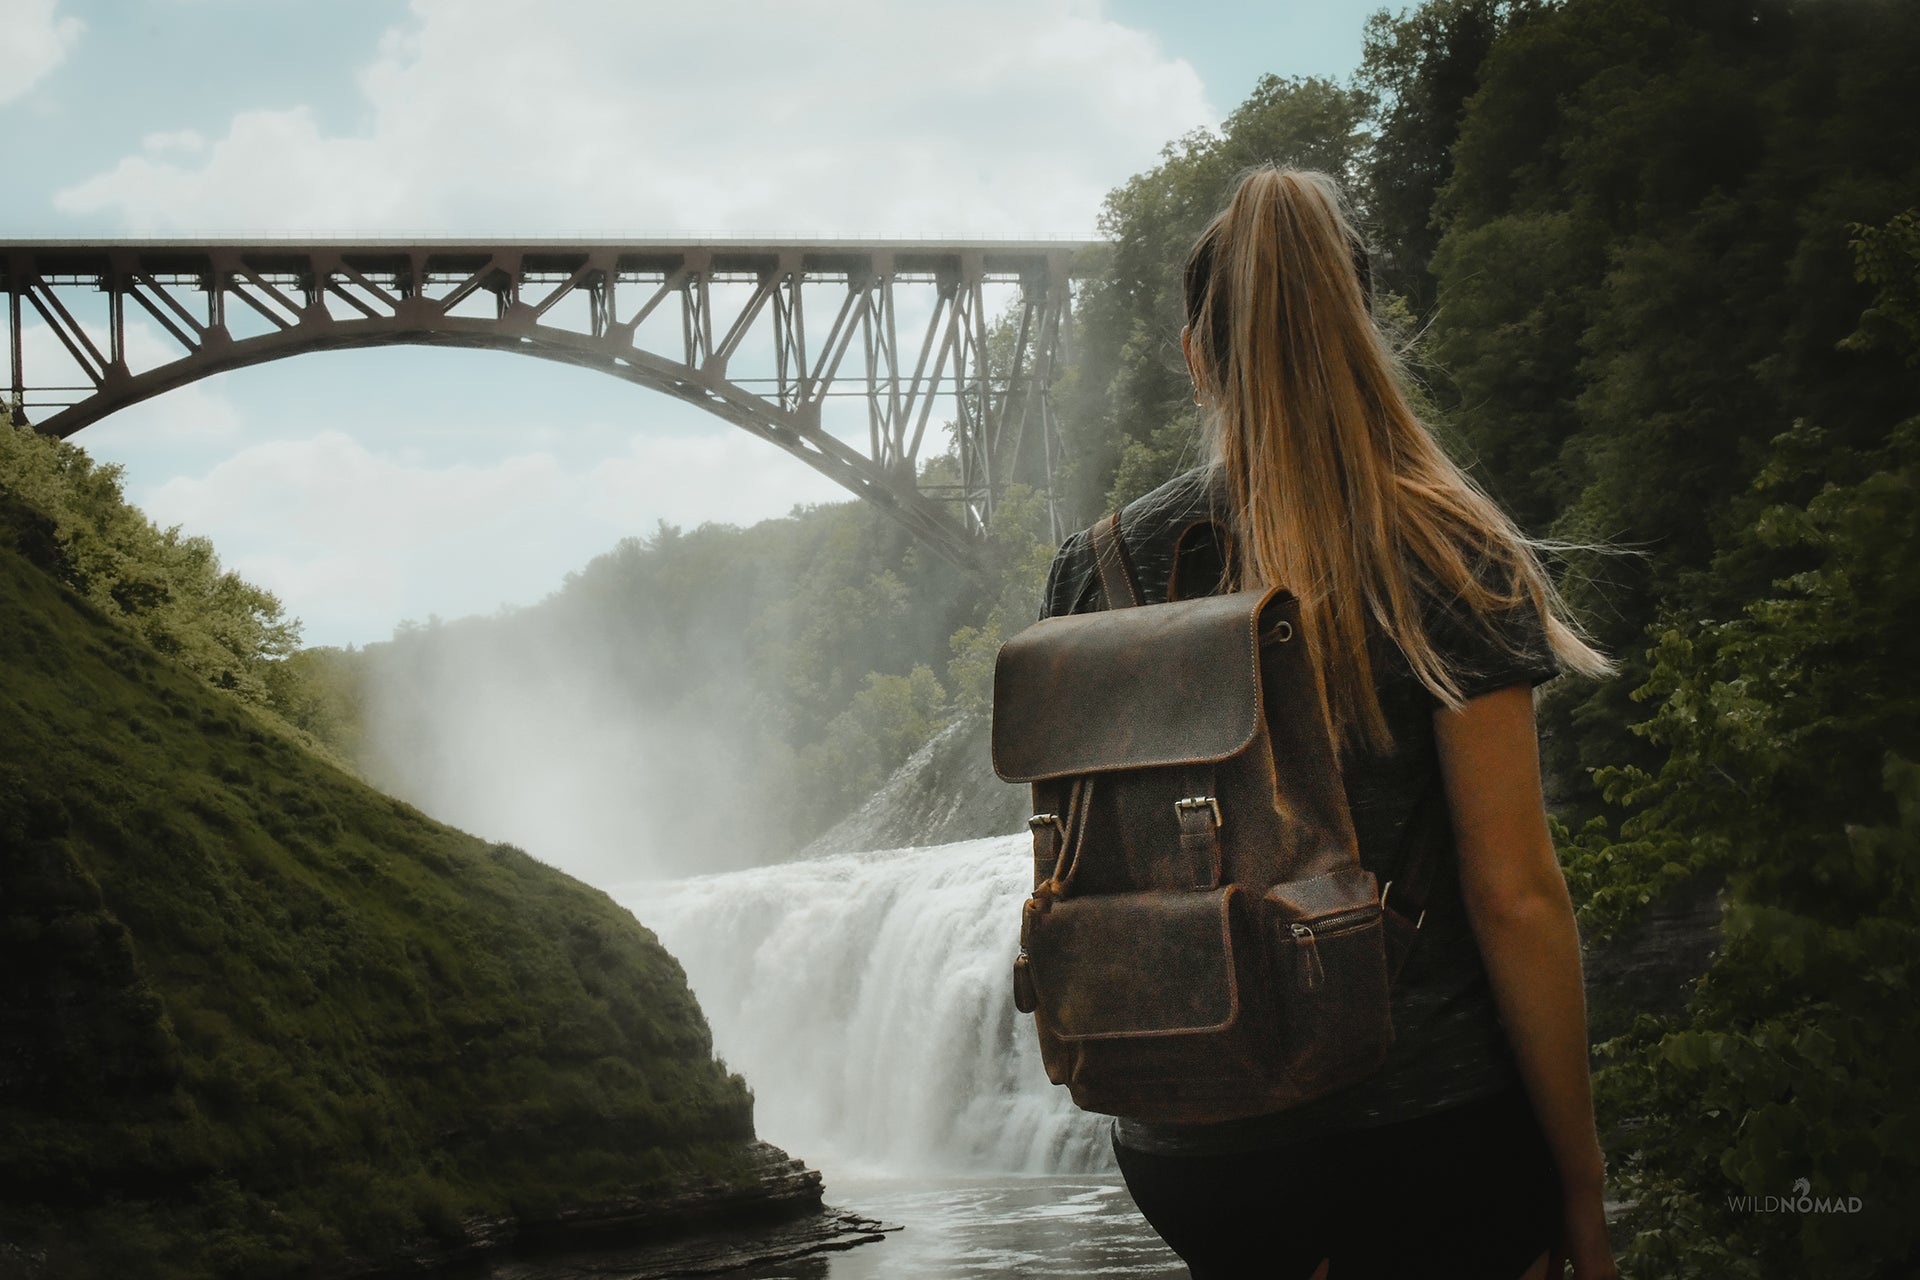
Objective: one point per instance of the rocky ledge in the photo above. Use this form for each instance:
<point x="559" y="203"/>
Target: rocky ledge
<point x="705" y="1253"/>
<point x="944" y="792"/>
<point x="702" y="1228"/>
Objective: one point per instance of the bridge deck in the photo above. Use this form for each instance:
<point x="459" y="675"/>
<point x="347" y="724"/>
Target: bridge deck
<point x="718" y="322"/>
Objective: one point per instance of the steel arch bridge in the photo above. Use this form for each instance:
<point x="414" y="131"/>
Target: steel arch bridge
<point x="768" y="335"/>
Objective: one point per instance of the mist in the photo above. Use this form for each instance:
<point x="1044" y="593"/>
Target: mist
<point x="523" y="729"/>
<point x="670" y="710"/>
<point x="508" y="735"/>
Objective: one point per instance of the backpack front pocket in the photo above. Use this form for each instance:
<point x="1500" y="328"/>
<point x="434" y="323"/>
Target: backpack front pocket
<point x="1326" y="944"/>
<point x="1152" y="1005"/>
<point x="1136" y="965"/>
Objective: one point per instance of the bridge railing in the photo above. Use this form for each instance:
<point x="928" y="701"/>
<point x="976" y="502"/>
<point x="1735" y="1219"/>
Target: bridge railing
<point x="794" y="342"/>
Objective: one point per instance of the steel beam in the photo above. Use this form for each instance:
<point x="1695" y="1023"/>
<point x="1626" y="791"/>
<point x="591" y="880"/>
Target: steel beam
<point x="750" y="364"/>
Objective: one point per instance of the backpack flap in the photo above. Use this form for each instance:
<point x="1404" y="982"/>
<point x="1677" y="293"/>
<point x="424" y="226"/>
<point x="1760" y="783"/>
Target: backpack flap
<point x="1158" y="685"/>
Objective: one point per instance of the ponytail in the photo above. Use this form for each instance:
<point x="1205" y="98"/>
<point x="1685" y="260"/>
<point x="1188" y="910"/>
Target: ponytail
<point x="1337" y="488"/>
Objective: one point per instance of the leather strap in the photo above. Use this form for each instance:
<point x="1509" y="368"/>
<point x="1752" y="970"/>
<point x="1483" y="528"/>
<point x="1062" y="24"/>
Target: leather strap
<point x="1405" y="896"/>
<point x="1118" y="582"/>
<point x="1079" y="818"/>
<point x="1057" y="841"/>
<point x="1049" y="842"/>
<point x="1198" y="813"/>
<point x="1186" y="548"/>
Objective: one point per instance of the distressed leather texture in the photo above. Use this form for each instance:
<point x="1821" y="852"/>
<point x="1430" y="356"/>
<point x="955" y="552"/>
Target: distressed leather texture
<point x="1125" y="689"/>
<point x="1137" y="964"/>
<point x="1179" y="969"/>
<point x="1332" y="894"/>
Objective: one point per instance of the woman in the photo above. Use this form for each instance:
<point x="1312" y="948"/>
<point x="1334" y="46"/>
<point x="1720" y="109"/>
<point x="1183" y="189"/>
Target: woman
<point x="1472" y="1152"/>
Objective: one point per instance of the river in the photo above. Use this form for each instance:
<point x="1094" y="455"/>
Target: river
<point x="866" y="998"/>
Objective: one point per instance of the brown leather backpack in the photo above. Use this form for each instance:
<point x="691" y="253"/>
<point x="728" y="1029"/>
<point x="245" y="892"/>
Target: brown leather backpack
<point x="1202" y="943"/>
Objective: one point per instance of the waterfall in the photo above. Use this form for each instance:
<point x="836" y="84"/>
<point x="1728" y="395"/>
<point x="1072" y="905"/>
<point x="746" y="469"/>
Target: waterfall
<point x="867" y="999"/>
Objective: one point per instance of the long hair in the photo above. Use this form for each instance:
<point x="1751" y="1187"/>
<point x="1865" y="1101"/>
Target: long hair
<point x="1338" y="490"/>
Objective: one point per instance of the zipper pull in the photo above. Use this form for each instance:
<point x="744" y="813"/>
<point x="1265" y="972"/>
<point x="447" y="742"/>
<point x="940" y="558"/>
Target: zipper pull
<point x="1312" y="975"/>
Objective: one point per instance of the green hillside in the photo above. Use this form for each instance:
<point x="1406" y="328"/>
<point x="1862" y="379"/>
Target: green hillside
<point x="259" y="1019"/>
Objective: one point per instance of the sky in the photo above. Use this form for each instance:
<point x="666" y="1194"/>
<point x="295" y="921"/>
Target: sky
<point x="368" y="488"/>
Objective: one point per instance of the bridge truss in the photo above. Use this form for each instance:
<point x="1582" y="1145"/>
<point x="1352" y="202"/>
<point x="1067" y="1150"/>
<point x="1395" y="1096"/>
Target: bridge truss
<point x="841" y="353"/>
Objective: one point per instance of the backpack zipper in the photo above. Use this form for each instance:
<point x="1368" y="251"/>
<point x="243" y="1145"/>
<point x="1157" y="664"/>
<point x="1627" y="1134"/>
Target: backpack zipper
<point x="1312" y="974"/>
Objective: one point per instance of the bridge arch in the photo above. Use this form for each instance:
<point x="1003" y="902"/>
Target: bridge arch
<point x="723" y="325"/>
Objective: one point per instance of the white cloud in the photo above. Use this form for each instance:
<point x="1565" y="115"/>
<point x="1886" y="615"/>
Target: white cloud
<point x="353" y="541"/>
<point x="37" y="42"/>
<point x="974" y="117"/>
<point x="187" y="140"/>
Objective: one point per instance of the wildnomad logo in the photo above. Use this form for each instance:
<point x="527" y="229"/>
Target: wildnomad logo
<point x="1801" y="1200"/>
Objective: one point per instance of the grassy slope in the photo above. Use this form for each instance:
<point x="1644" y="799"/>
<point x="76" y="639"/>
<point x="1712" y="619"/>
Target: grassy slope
<point x="257" y="1018"/>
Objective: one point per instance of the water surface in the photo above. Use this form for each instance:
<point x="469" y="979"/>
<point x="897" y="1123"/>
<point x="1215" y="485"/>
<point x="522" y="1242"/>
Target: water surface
<point x="867" y="998"/>
<point x="991" y="1228"/>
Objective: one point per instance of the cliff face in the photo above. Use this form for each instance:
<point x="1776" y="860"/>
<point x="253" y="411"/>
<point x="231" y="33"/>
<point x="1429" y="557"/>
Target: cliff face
<point x="1652" y="968"/>
<point x="258" y="1019"/>
<point x="946" y="791"/>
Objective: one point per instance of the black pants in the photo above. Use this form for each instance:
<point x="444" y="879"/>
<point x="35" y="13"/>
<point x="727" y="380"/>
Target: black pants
<point x="1470" y="1192"/>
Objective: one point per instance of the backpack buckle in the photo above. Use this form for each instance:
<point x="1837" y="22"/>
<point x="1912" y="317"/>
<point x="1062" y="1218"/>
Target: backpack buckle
<point x="1200" y="844"/>
<point x="1049" y="849"/>
<point x="1208" y="803"/>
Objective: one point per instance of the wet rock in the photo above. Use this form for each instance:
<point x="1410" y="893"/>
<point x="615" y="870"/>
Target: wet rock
<point x="1652" y="967"/>
<point x="699" y="1228"/>
<point x="945" y="791"/>
<point x="703" y="1254"/>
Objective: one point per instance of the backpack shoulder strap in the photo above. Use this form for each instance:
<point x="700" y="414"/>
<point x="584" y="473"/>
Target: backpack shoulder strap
<point x="1118" y="582"/>
<point x="1200" y="556"/>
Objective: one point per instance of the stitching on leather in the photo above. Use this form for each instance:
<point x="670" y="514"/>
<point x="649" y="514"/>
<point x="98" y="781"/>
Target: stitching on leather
<point x="1179" y="762"/>
<point x="1233" y="992"/>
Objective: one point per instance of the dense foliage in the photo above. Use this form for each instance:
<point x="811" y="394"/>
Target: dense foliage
<point x="1791" y="733"/>
<point x="261" y="1019"/>
<point x="170" y="588"/>
<point x="1645" y="277"/>
<point x="1675" y="269"/>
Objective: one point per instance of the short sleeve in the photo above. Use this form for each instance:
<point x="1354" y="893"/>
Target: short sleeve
<point x="1485" y="652"/>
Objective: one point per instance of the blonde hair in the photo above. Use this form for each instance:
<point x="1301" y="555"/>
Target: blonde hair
<point x="1338" y="489"/>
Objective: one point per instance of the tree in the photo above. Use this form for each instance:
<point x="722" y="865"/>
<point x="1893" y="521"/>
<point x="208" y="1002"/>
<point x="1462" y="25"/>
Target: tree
<point x="1888" y="258"/>
<point x="1422" y="68"/>
<point x="168" y="587"/>
<point x="1126" y="406"/>
<point x="1629" y="307"/>
<point x="1790" y="735"/>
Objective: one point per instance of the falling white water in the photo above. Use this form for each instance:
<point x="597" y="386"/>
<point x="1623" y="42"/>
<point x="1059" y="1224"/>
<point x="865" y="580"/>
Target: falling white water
<point x="868" y="1000"/>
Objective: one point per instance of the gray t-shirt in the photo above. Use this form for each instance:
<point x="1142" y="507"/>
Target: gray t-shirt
<point x="1449" y="1044"/>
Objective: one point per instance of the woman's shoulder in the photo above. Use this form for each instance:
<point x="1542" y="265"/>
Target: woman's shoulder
<point x="1487" y="648"/>
<point x="1152" y="527"/>
<point x="1163" y="514"/>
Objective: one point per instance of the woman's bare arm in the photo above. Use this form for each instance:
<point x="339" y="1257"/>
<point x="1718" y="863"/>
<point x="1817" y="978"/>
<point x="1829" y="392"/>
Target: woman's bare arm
<point x="1516" y="900"/>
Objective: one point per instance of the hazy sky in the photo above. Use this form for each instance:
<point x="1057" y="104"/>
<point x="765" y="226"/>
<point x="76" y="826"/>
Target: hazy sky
<point x="370" y="487"/>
